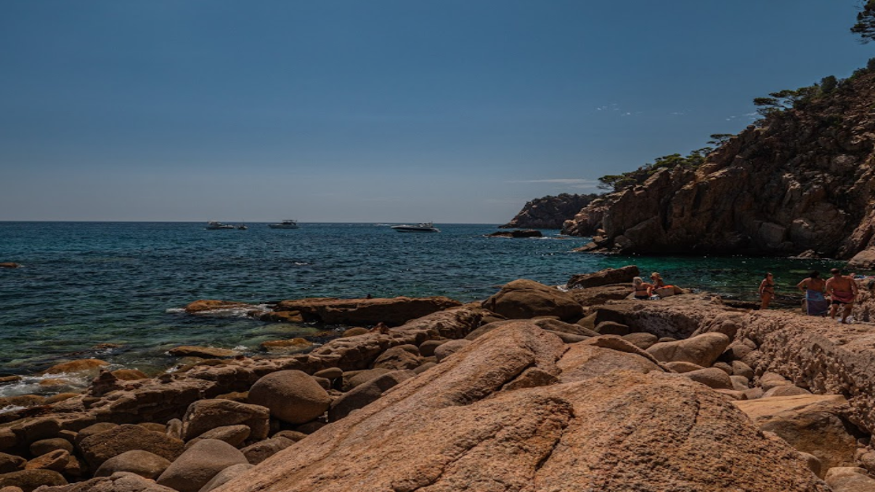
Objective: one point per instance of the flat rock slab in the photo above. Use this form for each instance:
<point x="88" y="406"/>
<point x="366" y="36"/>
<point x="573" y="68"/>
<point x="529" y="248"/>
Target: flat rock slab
<point x="391" y="311"/>
<point x="456" y="429"/>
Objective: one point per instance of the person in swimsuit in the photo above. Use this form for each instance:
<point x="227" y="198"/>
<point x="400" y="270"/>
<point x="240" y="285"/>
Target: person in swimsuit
<point x="815" y="303"/>
<point x="842" y="291"/>
<point x="767" y="290"/>
<point x="664" y="290"/>
<point x="643" y="290"/>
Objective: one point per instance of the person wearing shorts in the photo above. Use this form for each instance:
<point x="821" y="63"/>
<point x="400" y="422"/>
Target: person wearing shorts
<point x="842" y="291"/>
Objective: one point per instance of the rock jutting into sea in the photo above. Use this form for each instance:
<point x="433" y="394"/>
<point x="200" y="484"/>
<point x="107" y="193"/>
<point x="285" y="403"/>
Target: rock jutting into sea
<point x="518" y="233"/>
<point x="803" y="182"/>
<point x="549" y="212"/>
<point x="535" y="388"/>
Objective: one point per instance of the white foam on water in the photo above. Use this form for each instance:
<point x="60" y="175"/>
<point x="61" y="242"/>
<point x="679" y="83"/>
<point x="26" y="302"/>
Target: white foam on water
<point x="30" y="385"/>
<point x="11" y="408"/>
<point x="174" y="310"/>
<point x="240" y="348"/>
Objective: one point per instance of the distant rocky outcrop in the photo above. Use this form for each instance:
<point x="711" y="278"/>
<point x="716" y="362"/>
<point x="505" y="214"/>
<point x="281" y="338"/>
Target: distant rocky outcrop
<point x="803" y="181"/>
<point x="549" y="212"/>
<point x="524" y="233"/>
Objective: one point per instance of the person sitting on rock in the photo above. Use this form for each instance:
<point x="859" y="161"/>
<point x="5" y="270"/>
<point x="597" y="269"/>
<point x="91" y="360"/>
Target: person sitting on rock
<point x="842" y="291"/>
<point x="815" y="304"/>
<point x="767" y="290"/>
<point x="661" y="289"/>
<point x="642" y="289"/>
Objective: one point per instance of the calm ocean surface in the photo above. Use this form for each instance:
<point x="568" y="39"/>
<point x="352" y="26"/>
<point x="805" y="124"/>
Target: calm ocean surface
<point x="89" y="283"/>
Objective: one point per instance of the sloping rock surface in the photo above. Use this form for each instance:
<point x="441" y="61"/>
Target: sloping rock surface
<point x="457" y="430"/>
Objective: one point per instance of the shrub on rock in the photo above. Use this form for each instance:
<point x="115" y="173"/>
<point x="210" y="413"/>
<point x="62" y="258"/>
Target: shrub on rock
<point x="291" y="396"/>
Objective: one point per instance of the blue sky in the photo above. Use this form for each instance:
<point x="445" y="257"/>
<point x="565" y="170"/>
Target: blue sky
<point x="378" y="111"/>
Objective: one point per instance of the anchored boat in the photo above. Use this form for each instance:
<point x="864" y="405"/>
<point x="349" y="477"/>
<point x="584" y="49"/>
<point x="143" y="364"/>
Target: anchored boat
<point x="421" y="227"/>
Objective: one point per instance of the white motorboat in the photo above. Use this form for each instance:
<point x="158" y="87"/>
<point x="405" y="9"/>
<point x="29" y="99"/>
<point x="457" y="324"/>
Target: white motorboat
<point x="421" y="227"/>
<point x="214" y="226"/>
<point x="286" y="224"/>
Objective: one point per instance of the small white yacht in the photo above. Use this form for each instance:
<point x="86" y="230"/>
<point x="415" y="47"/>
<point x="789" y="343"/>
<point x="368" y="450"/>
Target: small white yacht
<point x="421" y="227"/>
<point x="286" y="224"/>
<point x="214" y="226"/>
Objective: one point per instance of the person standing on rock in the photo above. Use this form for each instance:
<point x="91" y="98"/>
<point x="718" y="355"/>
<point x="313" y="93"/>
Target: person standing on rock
<point x="842" y="291"/>
<point x="815" y="304"/>
<point x="767" y="290"/>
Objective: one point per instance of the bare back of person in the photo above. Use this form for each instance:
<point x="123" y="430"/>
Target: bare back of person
<point x="842" y="292"/>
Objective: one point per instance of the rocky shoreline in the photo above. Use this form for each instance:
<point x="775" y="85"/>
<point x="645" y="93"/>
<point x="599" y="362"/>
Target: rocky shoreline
<point x="531" y="389"/>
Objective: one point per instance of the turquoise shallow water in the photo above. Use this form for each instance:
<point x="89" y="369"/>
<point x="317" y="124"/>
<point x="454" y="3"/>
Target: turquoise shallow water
<point x="85" y="284"/>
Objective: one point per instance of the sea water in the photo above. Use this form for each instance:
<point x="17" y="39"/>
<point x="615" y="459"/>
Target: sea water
<point x="86" y="283"/>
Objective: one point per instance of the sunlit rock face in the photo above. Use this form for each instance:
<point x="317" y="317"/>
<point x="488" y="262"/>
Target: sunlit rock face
<point x="803" y="182"/>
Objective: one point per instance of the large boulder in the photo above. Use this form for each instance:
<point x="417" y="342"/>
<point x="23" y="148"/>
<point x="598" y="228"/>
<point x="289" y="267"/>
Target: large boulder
<point x="262" y="450"/>
<point x="711" y="377"/>
<point x="393" y="312"/>
<point x="29" y="480"/>
<point x="525" y="299"/>
<point x="225" y="476"/>
<point x="11" y="463"/>
<point x="397" y="359"/>
<point x="205" y="415"/>
<point x="365" y="394"/>
<point x="118" y="482"/>
<point x="595" y="296"/>
<point x="98" y="448"/>
<point x="142" y="463"/>
<point x="583" y="362"/>
<point x="864" y="260"/>
<point x="458" y="429"/>
<point x="849" y="479"/>
<point x="810" y="423"/>
<point x="291" y="396"/>
<point x="702" y="350"/>
<point x="623" y="275"/>
<point x="199" y="464"/>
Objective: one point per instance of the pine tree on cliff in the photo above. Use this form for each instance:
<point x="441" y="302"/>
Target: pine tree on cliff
<point x="865" y="26"/>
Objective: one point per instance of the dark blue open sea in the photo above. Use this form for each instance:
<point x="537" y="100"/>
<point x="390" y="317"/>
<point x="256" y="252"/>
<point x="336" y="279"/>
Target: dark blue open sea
<point x="90" y="283"/>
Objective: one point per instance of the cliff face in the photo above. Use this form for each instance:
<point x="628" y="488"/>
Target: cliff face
<point x="549" y="212"/>
<point x="804" y="181"/>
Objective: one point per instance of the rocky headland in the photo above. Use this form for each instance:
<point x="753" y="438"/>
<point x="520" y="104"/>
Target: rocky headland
<point x="535" y="388"/>
<point x="549" y="212"/>
<point x="802" y="182"/>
